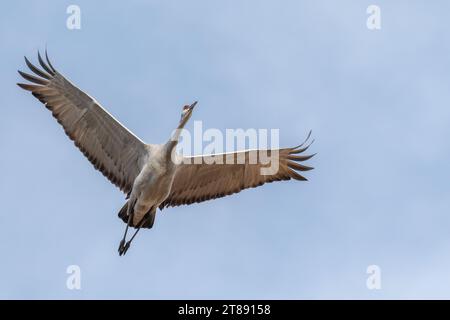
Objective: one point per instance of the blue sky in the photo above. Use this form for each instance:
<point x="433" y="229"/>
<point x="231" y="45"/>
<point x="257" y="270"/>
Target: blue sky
<point x="377" y="102"/>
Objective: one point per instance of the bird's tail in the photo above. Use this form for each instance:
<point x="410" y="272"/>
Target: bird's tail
<point x="123" y="213"/>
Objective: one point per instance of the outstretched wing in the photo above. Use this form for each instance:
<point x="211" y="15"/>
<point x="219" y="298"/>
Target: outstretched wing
<point x="208" y="177"/>
<point x="108" y="145"/>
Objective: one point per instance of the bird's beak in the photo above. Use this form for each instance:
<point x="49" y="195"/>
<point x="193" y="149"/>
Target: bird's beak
<point x="191" y="107"/>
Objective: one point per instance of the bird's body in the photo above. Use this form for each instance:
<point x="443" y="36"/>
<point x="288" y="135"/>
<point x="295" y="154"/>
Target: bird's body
<point x="152" y="175"/>
<point x="153" y="184"/>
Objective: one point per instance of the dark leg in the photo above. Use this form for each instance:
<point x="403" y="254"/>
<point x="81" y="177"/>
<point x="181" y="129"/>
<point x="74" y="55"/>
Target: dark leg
<point x="141" y="223"/>
<point x="122" y="242"/>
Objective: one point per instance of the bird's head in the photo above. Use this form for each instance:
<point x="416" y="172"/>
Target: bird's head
<point x="186" y="113"/>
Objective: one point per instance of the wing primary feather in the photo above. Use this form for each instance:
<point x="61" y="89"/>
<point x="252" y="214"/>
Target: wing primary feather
<point x="34" y="79"/>
<point x="296" y="176"/>
<point x="36" y="70"/>
<point x="29" y="87"/>
<point x="300" y="158"/>
<point x="48" y="61"/>
<point x="295" y="151"/>
<point x="42" y="63"/>
<point x="307" y="138"/>
<point x="298" y="166"/>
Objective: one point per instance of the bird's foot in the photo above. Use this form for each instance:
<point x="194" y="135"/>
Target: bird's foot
<point x="123" y="247"/>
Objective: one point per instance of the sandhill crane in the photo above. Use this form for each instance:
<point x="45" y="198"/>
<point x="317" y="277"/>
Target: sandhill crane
<point x="146" y="173"/>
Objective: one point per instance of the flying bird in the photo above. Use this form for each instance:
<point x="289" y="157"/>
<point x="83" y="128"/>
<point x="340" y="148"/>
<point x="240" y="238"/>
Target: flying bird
<point x="147" y="173"/>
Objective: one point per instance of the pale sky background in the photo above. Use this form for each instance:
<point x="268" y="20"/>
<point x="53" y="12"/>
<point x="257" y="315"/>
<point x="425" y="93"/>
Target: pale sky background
<point x="378" y="103"/>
